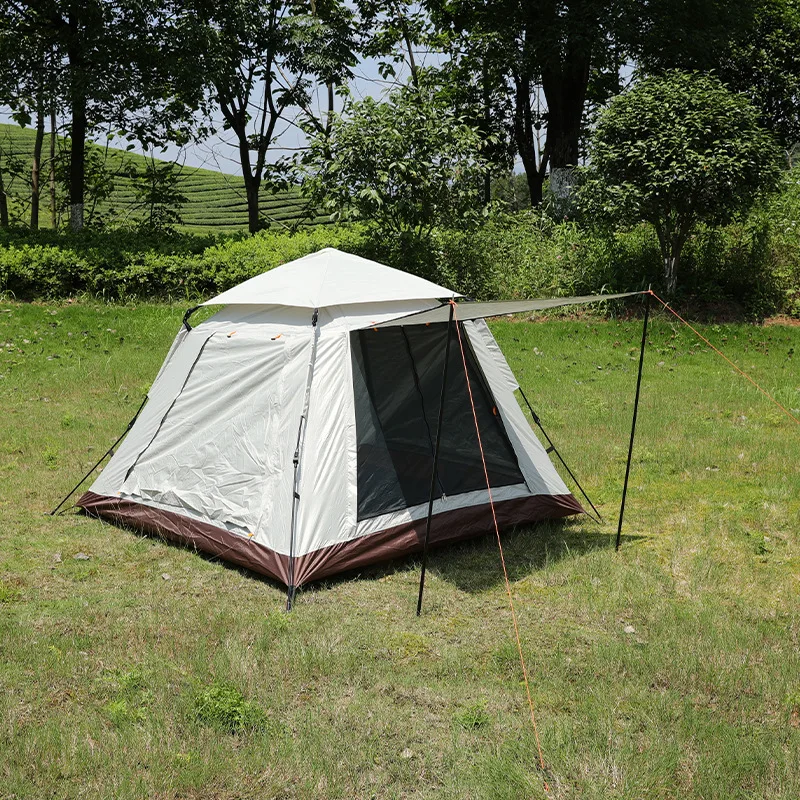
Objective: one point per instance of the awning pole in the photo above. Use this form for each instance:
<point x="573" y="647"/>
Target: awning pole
<point x="435" y="471"/>
<point x="633" y="424"/>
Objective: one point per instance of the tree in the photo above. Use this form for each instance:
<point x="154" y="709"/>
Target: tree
<point x="263" y="60"/>
<point x="674" y="151"/>
<point x="552" y="56"/>
<point x="121" y="66"/>
<point x="392" y="32"/>
<point x="765" y="65"/>
<point x="27" y="87"/>
<point x="407" y="164"/>
<point x="157" y="192"/>
<point x="753" y="46"/>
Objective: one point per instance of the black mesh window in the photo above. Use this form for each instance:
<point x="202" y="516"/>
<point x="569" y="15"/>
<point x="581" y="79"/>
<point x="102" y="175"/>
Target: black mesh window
<point x="397" y="377"/>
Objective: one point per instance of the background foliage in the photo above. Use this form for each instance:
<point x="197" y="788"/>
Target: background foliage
<point x="750" y="265"/>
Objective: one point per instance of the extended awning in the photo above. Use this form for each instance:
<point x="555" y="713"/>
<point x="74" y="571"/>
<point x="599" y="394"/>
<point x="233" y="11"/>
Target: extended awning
<point x="467" y="310"/>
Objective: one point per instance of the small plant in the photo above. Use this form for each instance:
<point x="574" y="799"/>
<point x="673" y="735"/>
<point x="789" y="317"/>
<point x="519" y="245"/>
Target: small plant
<point x="473" y="717"/>
<point x="223" y="706"/>
<point x="410" y="645"/>
<point x="121" y="711"/>
<point x="9" y="594"/>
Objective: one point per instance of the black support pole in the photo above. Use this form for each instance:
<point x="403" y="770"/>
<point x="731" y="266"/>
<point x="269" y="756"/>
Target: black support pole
<point x="291" y="588"/>
<point x="435" y="470"/>
<point x="633" y="424"/>
<point x="100" y="460"/>
<point x="553" y="449"/>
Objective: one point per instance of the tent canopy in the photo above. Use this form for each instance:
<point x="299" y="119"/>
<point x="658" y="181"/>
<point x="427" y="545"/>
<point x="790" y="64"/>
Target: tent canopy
<point x="330" y="277"/>
<point x="476" y="310"/>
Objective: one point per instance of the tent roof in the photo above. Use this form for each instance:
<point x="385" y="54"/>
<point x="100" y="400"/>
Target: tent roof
<point x="495" y="308"/>
<point x="330" y="277"/>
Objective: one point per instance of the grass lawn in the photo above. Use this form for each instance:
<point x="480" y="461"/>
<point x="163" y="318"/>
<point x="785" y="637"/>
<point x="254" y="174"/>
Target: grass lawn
<point x="148" y="671"/>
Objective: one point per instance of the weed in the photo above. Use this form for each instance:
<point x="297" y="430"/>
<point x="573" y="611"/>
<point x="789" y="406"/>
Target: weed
<point x="223" y="706"/>
<point x="8" y="593"/>
<point x="51" y="457"/>
<point x="473" y="717"/>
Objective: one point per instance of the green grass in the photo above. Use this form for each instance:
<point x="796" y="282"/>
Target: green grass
<point x="148" y="671"/>
<point x="215" y="200"/>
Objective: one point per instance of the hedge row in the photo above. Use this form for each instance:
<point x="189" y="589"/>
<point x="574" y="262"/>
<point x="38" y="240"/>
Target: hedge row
<point x="755" y="263"/>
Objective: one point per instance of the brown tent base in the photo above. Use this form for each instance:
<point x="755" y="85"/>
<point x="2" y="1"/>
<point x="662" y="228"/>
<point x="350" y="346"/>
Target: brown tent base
<point x="401" y="540"/>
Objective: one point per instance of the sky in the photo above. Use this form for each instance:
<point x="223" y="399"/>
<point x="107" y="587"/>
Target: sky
<point x="220" y="152"/>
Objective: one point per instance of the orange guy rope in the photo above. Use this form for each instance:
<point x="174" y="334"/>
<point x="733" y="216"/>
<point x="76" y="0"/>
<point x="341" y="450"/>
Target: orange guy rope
<point x="720" y="353"/>
<point x="502" y="557"/>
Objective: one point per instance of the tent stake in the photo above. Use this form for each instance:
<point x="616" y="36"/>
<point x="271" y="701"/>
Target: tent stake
<point x="554" y="449"/>
<point x="633" y="424"/>
<point x="435" y="471"/>
<point x="100" y="460"/>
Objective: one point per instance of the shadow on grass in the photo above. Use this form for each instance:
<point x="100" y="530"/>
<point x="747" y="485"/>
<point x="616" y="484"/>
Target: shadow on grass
<point x="474" y="565"/>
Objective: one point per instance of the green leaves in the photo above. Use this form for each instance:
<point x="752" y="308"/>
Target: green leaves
<point x="408" y="163"/>
<point x="674" y="151"/>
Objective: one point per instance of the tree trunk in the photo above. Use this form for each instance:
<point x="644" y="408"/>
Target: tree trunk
<point x="36" y="166"/>
<point x="3" y="203"/>
<point x="252" y="183"/>
<point x="77" y="164"/>
<point x="671" y="239"/>
<point x="253" y="211"/>
<point x="53" y="221"/>
<point x="524" y="135"/>
<point x="77" y="94"/>
<point x="565" y="88"/>
<point x="671" y="274"/>
<point x="487" y="130"/>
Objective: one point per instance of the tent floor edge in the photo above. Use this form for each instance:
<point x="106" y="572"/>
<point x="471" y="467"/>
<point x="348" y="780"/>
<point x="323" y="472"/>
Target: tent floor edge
<point x="387" y="544"/>
<point x="194" y="534"/>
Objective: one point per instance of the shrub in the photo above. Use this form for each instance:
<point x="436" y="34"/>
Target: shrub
<point x="223" y="707"/>
<point x="754" y="261"/>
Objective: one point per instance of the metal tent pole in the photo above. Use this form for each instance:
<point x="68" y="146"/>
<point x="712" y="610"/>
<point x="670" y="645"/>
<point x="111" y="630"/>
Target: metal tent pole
<point x="633" y="424"/>
<point x="553" y="449"/>
<point x="435" y="470"/>
<point x="298" y="450"/>
<point x="100" y="460"/>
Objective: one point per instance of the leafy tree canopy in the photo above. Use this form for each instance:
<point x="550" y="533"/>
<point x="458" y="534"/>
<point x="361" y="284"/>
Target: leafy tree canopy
<point x="766" y="67"/>
<point x="674" y="151"/>
<point x="408" y="163"/>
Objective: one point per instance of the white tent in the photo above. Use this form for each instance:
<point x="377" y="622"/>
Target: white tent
<point x="293" y="432"/>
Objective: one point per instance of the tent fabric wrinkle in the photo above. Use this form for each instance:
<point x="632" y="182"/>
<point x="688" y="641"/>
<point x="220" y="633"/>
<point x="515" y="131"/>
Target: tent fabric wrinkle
<point x="209" y="462"/>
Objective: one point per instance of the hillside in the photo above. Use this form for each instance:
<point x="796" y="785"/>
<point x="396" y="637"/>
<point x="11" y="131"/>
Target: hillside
<point x="216" y="200"/>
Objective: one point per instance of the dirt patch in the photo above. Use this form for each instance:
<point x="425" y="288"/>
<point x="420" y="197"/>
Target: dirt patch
<point x="792" y="322"/>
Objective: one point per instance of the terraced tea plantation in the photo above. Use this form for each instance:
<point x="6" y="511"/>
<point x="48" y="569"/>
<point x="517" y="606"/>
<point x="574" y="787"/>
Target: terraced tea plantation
<point x="215" y="201"/>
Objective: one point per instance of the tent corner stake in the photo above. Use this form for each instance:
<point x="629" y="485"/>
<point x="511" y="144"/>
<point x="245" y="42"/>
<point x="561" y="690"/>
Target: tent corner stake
<point x="633" y="423"/>
<point x="435" y="470"/>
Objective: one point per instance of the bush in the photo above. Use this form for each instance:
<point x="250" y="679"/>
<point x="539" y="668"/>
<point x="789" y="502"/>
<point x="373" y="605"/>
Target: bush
<point x="754" y="262"/>
<point x="125" y="266"/>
